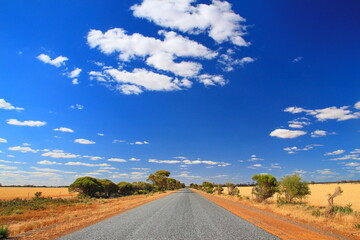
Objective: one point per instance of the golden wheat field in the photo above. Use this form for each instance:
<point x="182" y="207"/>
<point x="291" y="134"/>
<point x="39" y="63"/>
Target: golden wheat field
<point x="7" y="193"/>
<point x="350" y="195"/>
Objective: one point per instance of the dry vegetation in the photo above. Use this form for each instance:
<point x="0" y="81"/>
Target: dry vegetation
<point x="7" y="193"/>
<point x="45" y="218"/>
<point x="345" y="218"/>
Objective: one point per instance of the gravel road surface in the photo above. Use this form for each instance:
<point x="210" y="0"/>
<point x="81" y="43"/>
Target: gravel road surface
<point x="181" y="215"/>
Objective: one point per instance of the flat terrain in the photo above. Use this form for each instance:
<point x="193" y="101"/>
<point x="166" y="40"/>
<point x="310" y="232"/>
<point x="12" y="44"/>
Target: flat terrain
<point x="7" y="193"/>
<point x="181" y="215"/>
<point x="351" y="194"/>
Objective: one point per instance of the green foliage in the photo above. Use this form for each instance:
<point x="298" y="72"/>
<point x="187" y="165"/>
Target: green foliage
<point x="316" y="212"/>
<point x="344" y="210"/>
<point x="142" y="187"/>
<point x="292" y="187"/>
<point x="265" y="188"/>
<point x="109" y="187"/>
<point x="207" y="186"/>
<point x="125" y="188"/>
<point x="4" y="231"/>
<point x="88" y="186"/>
<point x="37" y="194"/>
<point x="232" y="189"/>
<point x="194" y="185"/>
<point x="159" y="179"/>
<point x="219" y="189"/>
<point x="209" y="191"/>
<point x="357" y="226"/>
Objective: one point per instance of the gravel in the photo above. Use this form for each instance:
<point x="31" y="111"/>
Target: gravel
<point x="181" y="215"/>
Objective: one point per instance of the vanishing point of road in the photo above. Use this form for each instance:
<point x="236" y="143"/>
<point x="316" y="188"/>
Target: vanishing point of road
<point x="181" y="215"/>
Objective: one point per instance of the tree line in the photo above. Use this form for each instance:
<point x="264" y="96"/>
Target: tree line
<point x="289" y="188"/>
<point x="105" y="188"/>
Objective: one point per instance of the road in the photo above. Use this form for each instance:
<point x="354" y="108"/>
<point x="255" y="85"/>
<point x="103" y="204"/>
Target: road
<point x="181" y="215"/>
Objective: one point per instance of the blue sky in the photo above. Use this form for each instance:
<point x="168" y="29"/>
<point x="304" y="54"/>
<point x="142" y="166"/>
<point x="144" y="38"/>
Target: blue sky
<point x="209" y="90"/>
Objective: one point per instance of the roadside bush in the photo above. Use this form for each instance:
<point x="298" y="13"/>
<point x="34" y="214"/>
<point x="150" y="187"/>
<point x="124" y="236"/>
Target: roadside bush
<point x="357" y="226"/>
<point x="142" y="187"/>
<point x="88" y="186"/>
<point x="316" y="212"/>
<point x="109" y="187"/>
<point x="292" y="187"/>
<point x="4" y="231"/>
<point x="344" y="210"/>
<point x="125" y="188"/>
<point x="209" y="191"/>
<point x="219" y="189"/>
<point x="207" y="186"/>
<point x="232" y="189"/>
<point x="37" y="194"/>
<point x="265" y="188"/>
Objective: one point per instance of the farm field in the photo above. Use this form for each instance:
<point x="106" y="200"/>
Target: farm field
<point x="7" y="193"/>
<point x="350" y="195"/>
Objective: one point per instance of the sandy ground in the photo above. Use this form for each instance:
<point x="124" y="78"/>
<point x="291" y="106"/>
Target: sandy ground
<point x="278" y="225"/>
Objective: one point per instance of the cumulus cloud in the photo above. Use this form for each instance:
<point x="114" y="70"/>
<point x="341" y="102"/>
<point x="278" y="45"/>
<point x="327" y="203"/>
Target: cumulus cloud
<point x="357" y="105"/>
<point x="211" y="80"/>
<point x="320" y="133"/>
<point x="292" y="150"/>
<point x="75" y="73"/>
<point x="29" y="123"/>
<point x="59" y="154"/>
<point x="7" y="106"/>
<point x="217" y="19"/>
<point x="23" y="149"/>
<point x="299" y="122"/>
<point x="3" y="140"/>
<point x="64" y="129"/>
<point x="336" y="152"/>
<point x="164" y="161"/>
<point x="330" y="113"/>
<point x="87" y="164"/>
<point x="116" y="160"/>
<point x="57" y="62"/>
<point x="347" y="157"/>
<point x="134" y="159"/>
<point x="46" y="162"/>
<point x="93" y="158"/>
<point x="83" y="141"/>
<point x="286" y="133"/>
<point x="77" y="106"/>
<point x="326" y="172"/>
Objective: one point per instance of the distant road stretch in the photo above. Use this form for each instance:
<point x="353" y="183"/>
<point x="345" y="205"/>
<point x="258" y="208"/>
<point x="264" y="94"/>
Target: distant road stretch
<point x="182" y="215"/>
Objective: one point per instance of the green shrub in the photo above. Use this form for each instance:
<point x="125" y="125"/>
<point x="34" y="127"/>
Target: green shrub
<point x="209" y="191"/>
<point x="37" y="194"/>
<point x="292" y="187"/>
<point x="4" y="231"/>
<point x="265" y="188"/>
<point x="357" y="226"/>
<point x="316" y="212"/>
<point x="345" y="210"/>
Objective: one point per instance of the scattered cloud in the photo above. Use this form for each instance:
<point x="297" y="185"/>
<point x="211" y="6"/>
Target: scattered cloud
<point x="297" y="59"/>
<point x="357" y="105"/>
<point x="93" y="158"/>
<point x="118" y="141"/>
<point x="45" y="162"/>
<point x="116" y="160"/>
<point x="64" y="129"/>
<point x="7" y="106"/>
<point x="83" y="141"/>
<point x="6" y="167"/>
<point x="292" y="150"/>
<point x="164" y="161"/>
<point x="355" y="151"/>
<point x="299" y="122"/>
<point x="326" y="172"/>
<point x="254" y="166"/>
<point x="51" y="170"/>
<point x="57" y="62"/>
<point x="217" y="19"/>
<point x="286" y="133"/>
<point x="134" y="159"/>
<point x="16" y="162"/>
<point x="74" y="73"/>
<point x="29" y="123"/>
<point x="23" y="149"/>
<point x="77" y="106"/>
<point x="101" y="134"/>
<point x="336" y="152"/>
<point x="87" y="164"/>
<point x="59" y="154"/>
<point x="139" y="143"/>
<point x="211" y="80"/>
<point x="255" y="158"/>
<point x="347" y="157"/>
<point x="3" y="140"/>
<point x="321" y="133"/>
<point x="186" y="175"/>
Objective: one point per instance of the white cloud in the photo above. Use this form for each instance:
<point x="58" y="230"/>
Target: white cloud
<point x="101" y="134"/>
<point x="164" y="161"/>
<point x="75" y="81"/>
<point x="300" y="172"/>
<point x="298" y="59"/>
<point x="286" y="133"/>
<point x="357" y="105"/>
<point x="23" y="149"/>
<point x="75" y="73"/>
<point x="64" y="129"/>
<point x="59" y="154"/>
<point x="255" y="166"/>
<point x="134" y="159"/>
<point x="255" y="158"/>
<point x="116" y="160"/>
<point x="93" y="158"/>
<point x="26" y="123"/>
<point x="336" y="152"/>
<point x="57" y="62"/>
<point x="217" y="18"/>
<point x="83" y="141"/>
<point x="7" y="106"/>
<point x="118" y="141"/>
<point x="326" y="172"/>
<point x="330" y="113"/>
<point x="355" y="151"/>
<point x="3" y="140"/>
<point x="186" y="175"/>
<point x="139" y="143"/>
<point x="144" y="169"/>
<point x="6" y="167"/>
<point x="347" y="157"/>
<point x="16" y="162"/>
<point x="51" y="170"/>
<point x="211" y="80"/>
<point x="299" y="122"/>
<point x="321" y="133"/>
<point x="352" y="164"/>
<point x="292" y="150"/>
<point x="77" y="106"/>
<point x="45" y="162"/>
<point x="87" y="164"/>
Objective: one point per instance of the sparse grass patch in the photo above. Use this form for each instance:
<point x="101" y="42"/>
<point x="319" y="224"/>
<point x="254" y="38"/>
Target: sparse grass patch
<point x="4" y="231"/>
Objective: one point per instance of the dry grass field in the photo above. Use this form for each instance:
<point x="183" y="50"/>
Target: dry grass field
<point x="7" y="193"/>
<point x="351" y="194"/>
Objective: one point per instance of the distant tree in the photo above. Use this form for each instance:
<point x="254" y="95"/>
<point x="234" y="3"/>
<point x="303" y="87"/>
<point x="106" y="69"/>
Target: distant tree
<point x="232" y="189"/>
<point x="159" y="179"/>
<point x="109" y="187"/>
<point x="207" y="187"/>
<point x="87" y="186"/>
<point x="265" y="188"/>
<point x="142" y="187"/>
<point x="125" y="188"/>
<point x="292" y="187"/>
<point x="219" y="189"/>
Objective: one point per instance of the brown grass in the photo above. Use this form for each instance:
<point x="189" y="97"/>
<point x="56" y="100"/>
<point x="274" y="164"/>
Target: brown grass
<point x="7" y="193"/>
<point x="58" y="221"/>
<point x="340" y="223"/>
<point x="351" y="194"/>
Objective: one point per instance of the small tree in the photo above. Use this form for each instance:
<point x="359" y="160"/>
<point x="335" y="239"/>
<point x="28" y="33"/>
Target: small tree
<point x="159" y="179"/>
<point x="292" y="187"/>
<point x="109" y="187"/>
<point x="207" y="187"/>
<point x="232" y="189"/>
<point x="142" y="187"/>
<point x="219" y="189"/>
<point x="87" y="186"/>
<point x="125" y="188"/>
<point x="265" y="188"/>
